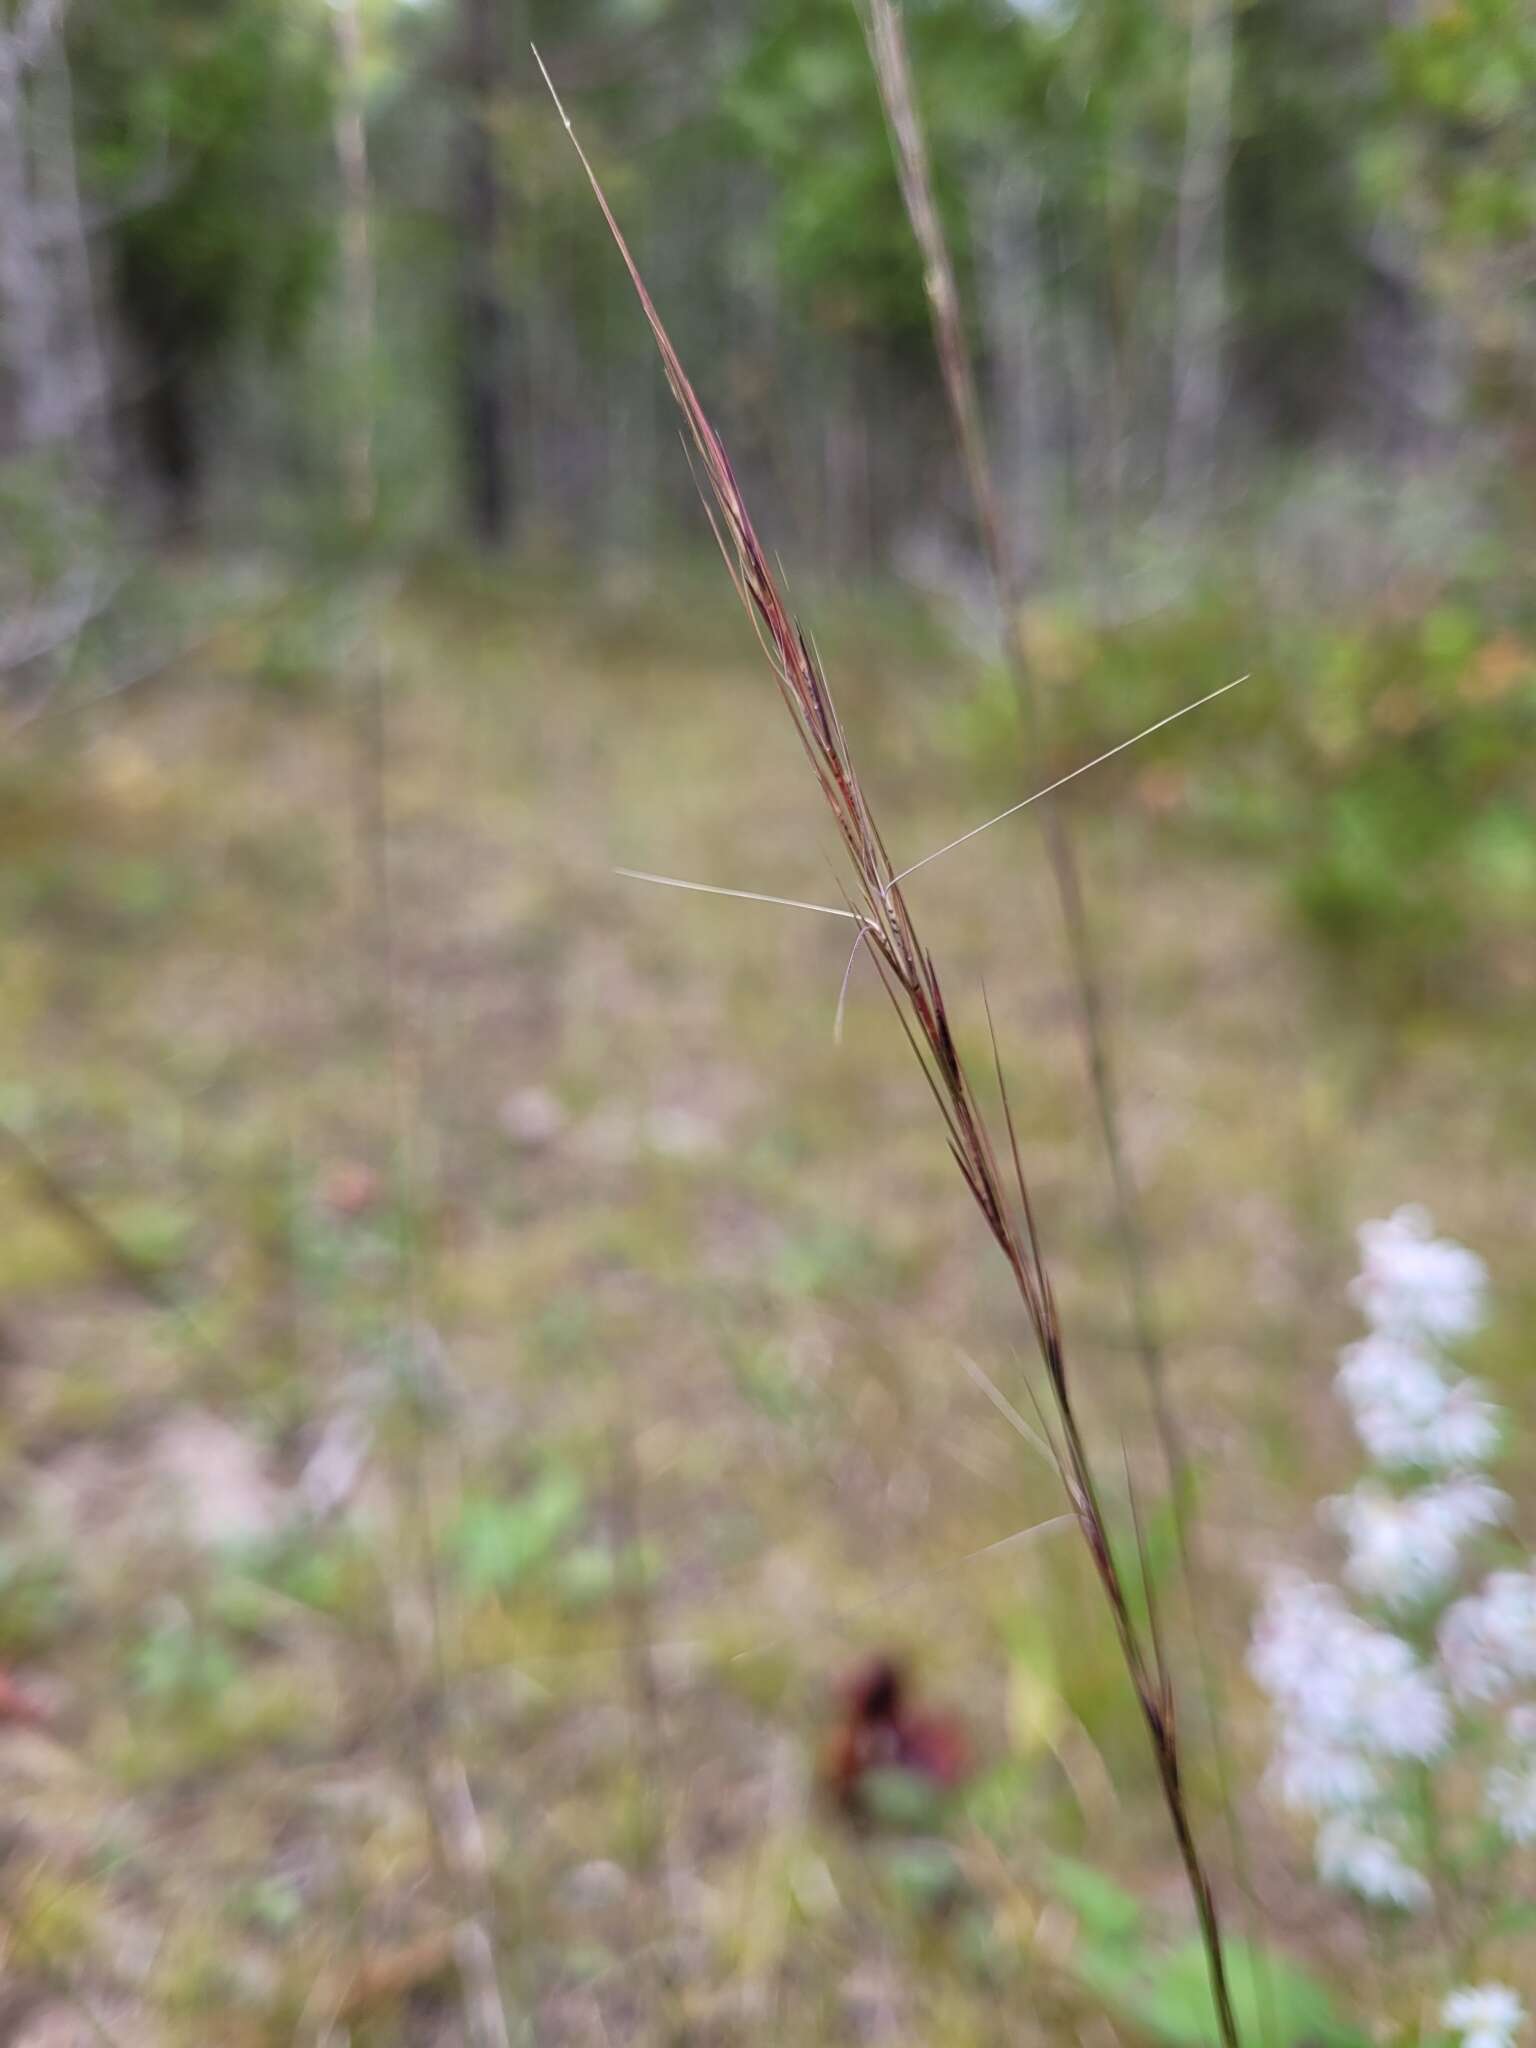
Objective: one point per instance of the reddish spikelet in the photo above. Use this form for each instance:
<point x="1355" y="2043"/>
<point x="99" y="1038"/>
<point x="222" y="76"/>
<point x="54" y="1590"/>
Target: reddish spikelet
<point x="885" y="922"/>
<point x="911" y="980"/>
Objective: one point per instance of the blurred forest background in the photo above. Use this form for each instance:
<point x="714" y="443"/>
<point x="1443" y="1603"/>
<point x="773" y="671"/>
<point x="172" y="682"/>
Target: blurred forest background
<point x="1200" y="242"/>
<point x="477" y="1360"/>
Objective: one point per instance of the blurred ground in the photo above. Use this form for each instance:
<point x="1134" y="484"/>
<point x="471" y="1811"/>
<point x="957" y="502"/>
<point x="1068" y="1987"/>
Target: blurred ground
<point x="524" y="1236"/>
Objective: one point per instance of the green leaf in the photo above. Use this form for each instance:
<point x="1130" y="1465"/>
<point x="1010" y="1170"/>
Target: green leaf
<point x="497" y="1543"/>
<point x="924" y="1872"/>
<point x="177" y="1663"/>
<point x="1107" y="1912"/>
<point x="997" y="1800"/>
<point x="901" y="1799"/>
<point x="1167" y="1992"/>
<point x="1273" y="2000"/>
<point x="591" y="1573"/>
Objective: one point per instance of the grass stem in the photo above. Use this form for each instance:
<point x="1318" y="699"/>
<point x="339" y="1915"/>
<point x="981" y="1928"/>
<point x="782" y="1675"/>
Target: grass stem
<point x="911" y="979"/>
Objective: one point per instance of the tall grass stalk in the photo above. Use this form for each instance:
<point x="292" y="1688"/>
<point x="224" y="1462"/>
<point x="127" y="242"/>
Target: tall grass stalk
<point x="886" y="38"/>
<point x="434" y="1757"/>
<point x="887" y="45"/>
<point x="907" y="970"/>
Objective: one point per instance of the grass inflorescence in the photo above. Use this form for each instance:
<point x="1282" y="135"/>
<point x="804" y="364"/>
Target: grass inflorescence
<point x="907" y="969"/>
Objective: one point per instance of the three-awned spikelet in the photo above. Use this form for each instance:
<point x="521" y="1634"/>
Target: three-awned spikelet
<point x="911" y="980"/>
<point x="876" y="898"/>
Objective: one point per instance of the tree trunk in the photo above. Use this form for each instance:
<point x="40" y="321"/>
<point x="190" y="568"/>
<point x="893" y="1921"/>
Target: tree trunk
<point x="1200" y="298"/>
<point x="173" y="445"/>
<point x="38" y="401"/>
<point x="482" y="368"/>
<point x="1005" y="224"/>
<point x="358" y="284"/>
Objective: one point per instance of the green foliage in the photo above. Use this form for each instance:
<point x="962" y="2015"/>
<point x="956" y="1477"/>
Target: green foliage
<point x="903" y="1799"/>
<point x="156" y="1233"/>
<point x="1471" y="68"/>
<point x="1273" y="1998"/>
<point x="1377" y="764"/>
<point x="322" y="1571"/>
<point x="923" y="1873"/>
<point x="1078" y="103"/>
<point x="178" y="1664"/>
<point x="1167" y="1991"/>
<point x="1065" y="1670"/>
<point x="301" y="651"/>
<point x="269" y="1905"/>
<point x="997" y="1800"/>
<point x="1297" y="238"/>
<point x="593" y="1573"/>
<point x="1107" y="1913"/>
<point x="496" y="1544"/>
<point x="825" y="1260"/>
<point x="210" y="116"/>
<point x="37" y="1600"/>
<point x="766" y="1377"/>
<point x="804" y="103"/>
<point x="1458" y="149"/>
<point x="197" y="1702"/>
<point x="205" y="126"/>
<point x="1411" y="760"/>
<point x="51" y="530"/>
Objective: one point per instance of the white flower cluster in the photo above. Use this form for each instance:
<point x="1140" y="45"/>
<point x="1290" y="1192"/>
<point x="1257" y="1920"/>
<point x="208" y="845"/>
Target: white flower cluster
<point x="1487" y="1641"/>
<point x="1409" y="1414"/>
<point x="1365" y="1859"/>
<point x="1416" y="1415"/>
<point x="1351" y="1697"/>
<point x="1346" y="1688"/>
<point x="1414" y="1284"/>
<point x="1418" y="1292"/>
<point x="1484" y="2015"/>
<point x="1406" y="1548"/>
<point x="1354" y="1700"/>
